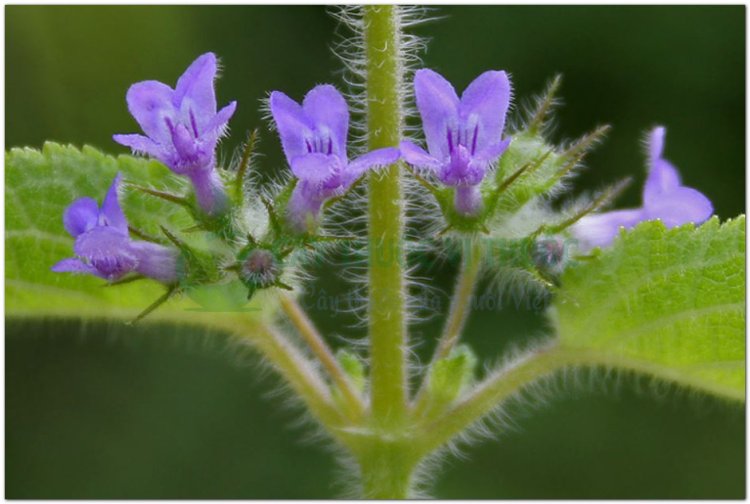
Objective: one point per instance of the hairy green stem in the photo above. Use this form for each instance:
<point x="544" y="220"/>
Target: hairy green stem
<point x="296" y="370"/>
<point x="322" y="351"/>
<point x="461" y="303"/>
<point x="387" y="326"/>
<point x="387" y="471"/>
<point x="385" y="464"/>
<point x="497" y="388"/>
<point x="466" y="283"/>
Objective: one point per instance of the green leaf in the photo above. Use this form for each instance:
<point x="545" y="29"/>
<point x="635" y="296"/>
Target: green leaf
<point x="352" y="364"/>
<point x="669" y="303"/>
<point x="39" y="185"/>
<point x="451" y="375"/>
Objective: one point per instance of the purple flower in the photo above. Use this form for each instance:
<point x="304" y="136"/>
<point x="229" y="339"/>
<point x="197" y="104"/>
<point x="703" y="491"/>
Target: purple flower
<point x="464" y="136"/>
<point x="103" y="247"/>
<point x="664" y="198"/>
<point x="182" y="127"/>
<point x="313" y="136"/>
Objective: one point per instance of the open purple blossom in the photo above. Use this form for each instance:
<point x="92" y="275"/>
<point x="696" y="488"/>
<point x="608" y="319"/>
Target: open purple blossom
<point x="464" y="136"/>
<point x="313" y="136"/>
<point x="103" y="246"/>
<point x="182" y="126"/>
<point x="664" y="198"/>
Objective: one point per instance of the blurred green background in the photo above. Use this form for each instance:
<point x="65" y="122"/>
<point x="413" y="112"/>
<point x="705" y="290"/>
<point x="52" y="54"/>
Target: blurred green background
<point x="107" y="411"/>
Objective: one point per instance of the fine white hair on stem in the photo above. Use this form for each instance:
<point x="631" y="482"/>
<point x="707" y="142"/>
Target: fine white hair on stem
<point x="421" y="213"/>
<point x="350" y="50"/>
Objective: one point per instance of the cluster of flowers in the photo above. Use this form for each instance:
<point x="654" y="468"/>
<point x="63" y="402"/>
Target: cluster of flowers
<point x="464" y="137"/>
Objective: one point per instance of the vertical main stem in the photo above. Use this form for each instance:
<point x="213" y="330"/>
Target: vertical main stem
<point x="387" y="327"/>
<point x="387" y="472"/>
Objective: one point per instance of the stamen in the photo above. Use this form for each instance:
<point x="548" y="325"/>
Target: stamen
<point x="193" y="123"/>
<point x="169" y="125"/>
<point x="474" y="140"/>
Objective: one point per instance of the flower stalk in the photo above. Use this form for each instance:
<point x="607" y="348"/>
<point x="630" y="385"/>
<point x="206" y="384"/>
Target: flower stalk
<point x="466" y="283"/>
<point x="320" y="349"/>
<point x="294" y="367"/>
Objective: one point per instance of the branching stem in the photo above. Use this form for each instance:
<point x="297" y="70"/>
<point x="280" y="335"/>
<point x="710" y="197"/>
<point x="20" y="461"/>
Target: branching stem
<point x="466" y="283"/>
<point x="294" y="368"/>
<point x="322" y="351"/>
<point x="471" y="265"/>
<point x="504" y="383"/>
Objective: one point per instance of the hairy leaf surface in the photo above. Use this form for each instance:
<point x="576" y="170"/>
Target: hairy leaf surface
<point x="669" y="303"/>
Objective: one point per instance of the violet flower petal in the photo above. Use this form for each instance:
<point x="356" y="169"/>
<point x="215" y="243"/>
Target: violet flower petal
<point x="111" y="213"/>
<point x="81" y="216"/>
<point x="438" y="105"/>
<point x="377" y="158"/>
<point x="664" y="198"/>
<point x="656" y="144"/>
<point x="491" y="153"/>
<point x="140" y="144"/>
<point x="209" y="190"/>
<point x="326" y="108"/>
<point x="150" y="103"/>
<point x="103" y="247"/>
<point x="155" y="261"/>
<point x="600" y="230"/>
<point x="292" y="123"/>
<point x="680" y="206"/>
<point x="107" y="250"/>
<point x="217" y="126"/>
<point x="662" y="178"/>
<point x="73" y="265"/>
<point x="194" y="91"/>
<point x="418" y="157"/>
<point x="314" y="168"/>
<point x="484" y="105"/>
<point x="304" y="206"/>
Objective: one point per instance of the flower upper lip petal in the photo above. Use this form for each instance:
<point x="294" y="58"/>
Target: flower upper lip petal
<point x="111" y="211"/>
<point x="663" y="177"/>
<point x="656" y="143"/>
<point x="81" y="216"/>
<point x="326" y="108"/>
<point x="438" y="105"/>
<point x="292" y="124"/>
<point x="150" y="103"/>
<point x="486" y="101"/>
<point x="195" y="89"/>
